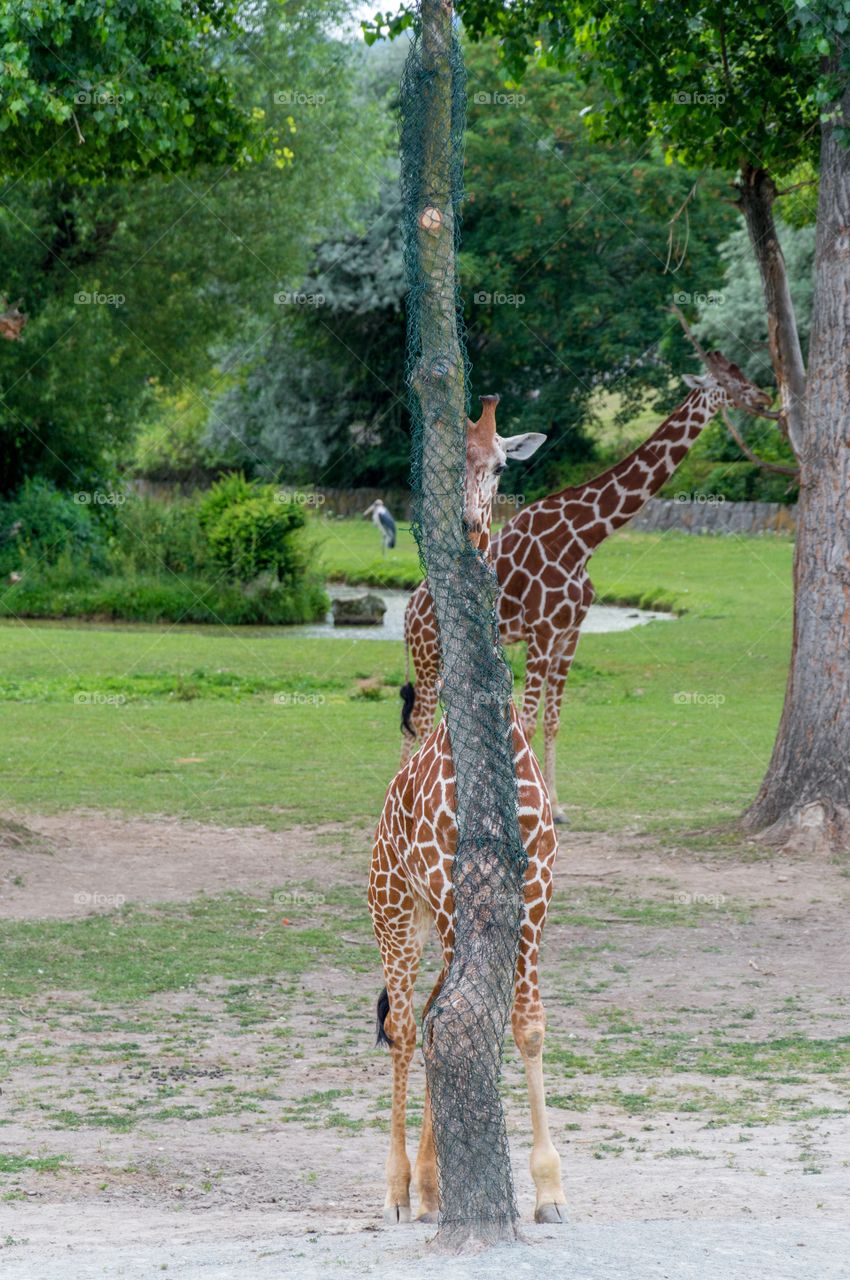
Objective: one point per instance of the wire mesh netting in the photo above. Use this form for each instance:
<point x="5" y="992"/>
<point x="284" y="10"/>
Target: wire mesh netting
<point x="465" y="1026"/>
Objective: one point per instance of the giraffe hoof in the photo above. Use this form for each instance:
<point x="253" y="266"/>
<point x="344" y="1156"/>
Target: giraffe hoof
<point x="551" y="1213"/>
<point x="395" y="1214"/>
<point x="430" y="1215"/>
<point x="560" y="818"/>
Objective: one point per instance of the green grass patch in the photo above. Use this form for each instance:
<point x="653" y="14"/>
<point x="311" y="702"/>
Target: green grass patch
<point x="667" y="727"/>
<point x="350" y="551"/>
<point x="22" y="1164"/>
<point x="135" y="952"/>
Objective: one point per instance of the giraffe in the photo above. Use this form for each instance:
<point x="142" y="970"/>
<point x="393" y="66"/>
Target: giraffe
<point x="540" y="558"/>
<point x="410" y="887"/>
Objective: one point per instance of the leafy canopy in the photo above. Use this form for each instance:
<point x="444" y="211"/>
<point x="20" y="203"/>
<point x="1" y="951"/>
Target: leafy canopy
<point x="719" y="84"/>
<point x="99" y="87"/>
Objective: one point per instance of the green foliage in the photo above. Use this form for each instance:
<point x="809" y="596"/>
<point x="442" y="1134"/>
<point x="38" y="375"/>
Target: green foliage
<point x="190" y="560"/>
<point x="156" y="538"/>
<point x="717" y="86"/>
<point x="129" y="283"/>
<point x="732" y="315"/>
<point x="169" y="444"/>
<point x="734" y="481"/>
<point x="63" y="591"/>
<point x="565" y="262"/>
<point x="326" y="395"/>
<point x="226" y="492"/>
<point x="97" y="89"/>
<point x="577" y="231"/>
<point x="41" y="524"/>
<point x="254" y="537"/>
<point x="322" y="391"/>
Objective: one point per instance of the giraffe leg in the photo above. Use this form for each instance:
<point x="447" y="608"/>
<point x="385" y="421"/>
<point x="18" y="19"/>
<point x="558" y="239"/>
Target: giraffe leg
<point x="425" y="1169"/>
<point x="529" y="1026"/>
<point x="400" y="1027"/>
<point x="559" y="669"/>
<point x="536" y="668"/>
<point x="528" y="1022"/>
<point x="401" y="926"/>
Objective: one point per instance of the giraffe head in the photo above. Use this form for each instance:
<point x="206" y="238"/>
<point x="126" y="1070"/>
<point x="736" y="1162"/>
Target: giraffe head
<point x="727" y="386"/>
<point x="487" y="456"/>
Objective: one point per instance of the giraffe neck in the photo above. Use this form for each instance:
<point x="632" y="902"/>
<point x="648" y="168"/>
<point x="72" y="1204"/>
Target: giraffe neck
<point x="592" y="511"/>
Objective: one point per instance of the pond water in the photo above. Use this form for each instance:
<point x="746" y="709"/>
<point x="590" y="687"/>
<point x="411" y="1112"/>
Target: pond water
<point x="600" y="618"/>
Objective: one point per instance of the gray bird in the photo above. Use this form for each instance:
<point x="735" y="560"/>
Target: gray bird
<point x="382" y="520"/>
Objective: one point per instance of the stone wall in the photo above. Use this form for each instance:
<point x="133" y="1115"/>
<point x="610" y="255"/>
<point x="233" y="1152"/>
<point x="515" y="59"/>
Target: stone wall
<point x="657" y="516"/>
<point x="716" y="517"/>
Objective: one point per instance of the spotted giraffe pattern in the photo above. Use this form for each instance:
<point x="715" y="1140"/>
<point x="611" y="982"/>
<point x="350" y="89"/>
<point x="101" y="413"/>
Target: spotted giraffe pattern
<point x="410" y="880"/>
<point x="540" y="558"/>
<point x="410" y="889"/>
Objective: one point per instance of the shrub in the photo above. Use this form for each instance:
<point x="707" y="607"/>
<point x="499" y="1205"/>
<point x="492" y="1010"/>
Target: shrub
<point x="59" y="592"/>
<point x="155" y="537"/>
<point x="225" y="493"/>
<point x="254" y="536"/>
<point x="41" y="524"/>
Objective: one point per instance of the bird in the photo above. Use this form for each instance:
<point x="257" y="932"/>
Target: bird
<point x="382" y="520"/>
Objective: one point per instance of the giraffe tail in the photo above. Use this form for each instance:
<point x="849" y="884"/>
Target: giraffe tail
<point x="407" y="693"/>
<point x="383" y="1009"/>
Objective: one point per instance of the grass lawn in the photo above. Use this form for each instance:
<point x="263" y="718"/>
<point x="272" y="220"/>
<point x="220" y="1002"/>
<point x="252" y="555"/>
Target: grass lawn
<point x="350" y="551"/>
<point x="666" y="728"/>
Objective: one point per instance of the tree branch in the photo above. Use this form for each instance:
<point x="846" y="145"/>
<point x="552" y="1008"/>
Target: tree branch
<point x="748" y="453"/>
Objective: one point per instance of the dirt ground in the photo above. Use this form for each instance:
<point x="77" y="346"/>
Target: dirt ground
<point x="697" y="1067"/>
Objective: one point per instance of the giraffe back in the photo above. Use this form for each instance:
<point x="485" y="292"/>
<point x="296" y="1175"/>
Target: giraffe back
<point x="417" y="832"/>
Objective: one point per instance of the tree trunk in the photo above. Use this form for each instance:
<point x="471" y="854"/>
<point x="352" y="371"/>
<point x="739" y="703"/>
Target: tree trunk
<point x="465" y="1026"/>
<point x="757" y="194"/>
<point x="804" y="801"/>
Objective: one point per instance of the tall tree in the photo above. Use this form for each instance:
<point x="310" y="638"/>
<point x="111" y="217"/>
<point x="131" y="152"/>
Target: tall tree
<point x="565" y="258"/>
<point x="464" y="1027"/>
<point x="91" y="92"/>
<point x="741" y="89"/>
<point x="804" y="800"/>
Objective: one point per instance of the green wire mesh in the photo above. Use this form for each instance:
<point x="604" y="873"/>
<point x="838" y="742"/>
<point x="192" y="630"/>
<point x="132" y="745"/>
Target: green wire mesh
<point x="465" y="1026"/>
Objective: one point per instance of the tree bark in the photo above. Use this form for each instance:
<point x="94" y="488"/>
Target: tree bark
<point x="757" y="194"/>
<point x="465" y="1025"/>
<point x="804" y="801"/>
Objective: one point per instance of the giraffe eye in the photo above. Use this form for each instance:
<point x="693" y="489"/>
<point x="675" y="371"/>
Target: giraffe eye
<point x="499" y="468"/>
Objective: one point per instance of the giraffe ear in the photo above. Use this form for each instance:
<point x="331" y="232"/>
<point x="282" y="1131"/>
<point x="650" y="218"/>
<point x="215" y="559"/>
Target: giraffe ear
<point x="698" y="382"/>
<point x="518" y="448"/>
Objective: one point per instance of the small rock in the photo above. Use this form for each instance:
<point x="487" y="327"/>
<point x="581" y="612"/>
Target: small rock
<point x="359" y="611"/>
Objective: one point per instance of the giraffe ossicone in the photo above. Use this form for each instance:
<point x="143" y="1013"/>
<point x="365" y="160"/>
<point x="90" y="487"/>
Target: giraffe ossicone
<point x="410" y="890"/>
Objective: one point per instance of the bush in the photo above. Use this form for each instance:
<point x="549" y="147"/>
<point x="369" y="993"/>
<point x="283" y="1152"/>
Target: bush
<point x="154" y="561"/>
<point x="734" y="481"/>
<point x="41" y="524"/>
<point x="255" y="537"/>
<point x="155" y="537"/>
<point x="225" y="493"/>
<point x="249" y="530"/>
<point x="61" y="591"/>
